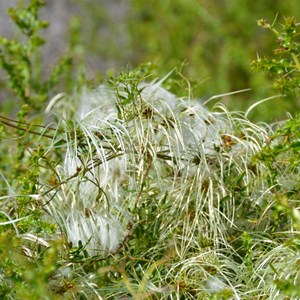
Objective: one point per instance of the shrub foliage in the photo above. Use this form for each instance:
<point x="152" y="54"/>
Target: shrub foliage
<point x="126" y="191"/>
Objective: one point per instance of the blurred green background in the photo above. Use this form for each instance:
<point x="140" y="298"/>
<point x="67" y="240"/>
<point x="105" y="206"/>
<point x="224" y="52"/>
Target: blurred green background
<point x="215" y="39"/>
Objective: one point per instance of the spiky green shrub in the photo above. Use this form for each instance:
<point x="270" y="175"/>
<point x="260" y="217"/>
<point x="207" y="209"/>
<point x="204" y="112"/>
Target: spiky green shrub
<point x="152" y="178"/>
<point x="127" y="191"/>
<point x="154" y="196"/>
<point x="159" y="197"/>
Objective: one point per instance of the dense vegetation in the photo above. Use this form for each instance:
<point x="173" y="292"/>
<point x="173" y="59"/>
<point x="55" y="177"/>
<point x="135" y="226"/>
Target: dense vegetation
<point x="126" y="191"/>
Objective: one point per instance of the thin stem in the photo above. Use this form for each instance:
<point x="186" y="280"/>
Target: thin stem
<point x="27" y="130"/>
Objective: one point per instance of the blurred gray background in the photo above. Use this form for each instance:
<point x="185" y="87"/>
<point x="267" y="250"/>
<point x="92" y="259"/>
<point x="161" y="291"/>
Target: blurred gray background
<point x="216" y="40"/>
<point x="111" y="16"/>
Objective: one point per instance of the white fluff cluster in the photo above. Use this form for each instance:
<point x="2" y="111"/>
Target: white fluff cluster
<point x="193" y="123"/>
<point x="92" y="207"/>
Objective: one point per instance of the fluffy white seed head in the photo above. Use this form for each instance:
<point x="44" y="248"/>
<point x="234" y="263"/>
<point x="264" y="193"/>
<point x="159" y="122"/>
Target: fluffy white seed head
<point x="173" y="143"/>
